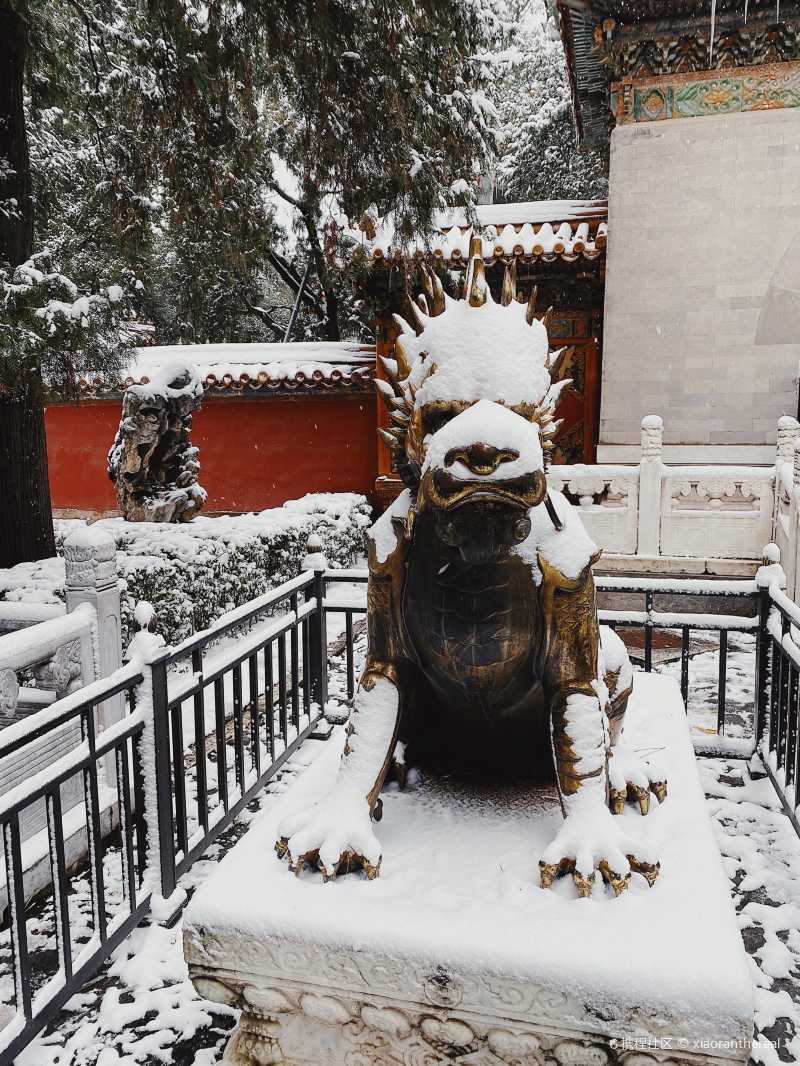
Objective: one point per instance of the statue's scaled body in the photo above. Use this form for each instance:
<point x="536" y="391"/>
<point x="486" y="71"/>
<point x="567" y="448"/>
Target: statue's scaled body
<point x="485" y="654"/>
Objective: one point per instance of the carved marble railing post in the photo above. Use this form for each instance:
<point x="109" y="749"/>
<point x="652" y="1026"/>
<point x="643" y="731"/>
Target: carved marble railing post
<point x="90" y="556"/>
<point x="788" y="432"/>
<point x="650" y="472"/>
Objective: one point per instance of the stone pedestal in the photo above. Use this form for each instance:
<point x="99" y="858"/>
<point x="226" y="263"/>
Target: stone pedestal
<point x="455" y="955"/>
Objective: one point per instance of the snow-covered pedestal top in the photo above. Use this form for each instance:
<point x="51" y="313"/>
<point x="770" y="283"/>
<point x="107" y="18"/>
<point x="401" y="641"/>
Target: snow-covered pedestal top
<point x="456" y="955"/>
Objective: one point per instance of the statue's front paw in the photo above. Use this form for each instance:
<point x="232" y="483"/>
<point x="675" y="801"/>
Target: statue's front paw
<point x="335" y="836"/>
<point x="592" y="839"/>
<point x="634" y="777"/>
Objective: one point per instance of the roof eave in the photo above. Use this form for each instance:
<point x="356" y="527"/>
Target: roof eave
<point x="590" y="108"/>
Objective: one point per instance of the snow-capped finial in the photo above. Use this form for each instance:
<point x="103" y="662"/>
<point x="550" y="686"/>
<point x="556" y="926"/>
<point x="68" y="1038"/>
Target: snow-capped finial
<point x="509" y="284"/>
<point x="145" y="645"/>
<point x="144" y="614"/>
<point x="476" y="290"/>
<point x="315" y="557"/>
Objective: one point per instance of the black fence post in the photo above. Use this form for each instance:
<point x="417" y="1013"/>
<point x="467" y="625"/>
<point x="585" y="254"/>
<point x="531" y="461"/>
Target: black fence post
<point x="163" y="781"/>
<point x="318" y="645"/>
<point x="763" y="641"/>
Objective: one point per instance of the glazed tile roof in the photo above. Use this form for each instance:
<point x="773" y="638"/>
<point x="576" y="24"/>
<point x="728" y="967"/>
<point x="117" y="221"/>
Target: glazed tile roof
<point x="540" y="230"/>
<point x="236" y="369"/>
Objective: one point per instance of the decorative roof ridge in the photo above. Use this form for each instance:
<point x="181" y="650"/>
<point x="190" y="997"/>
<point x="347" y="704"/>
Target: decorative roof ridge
<point x="344" y="379"/>
<point x="526" y="242"/>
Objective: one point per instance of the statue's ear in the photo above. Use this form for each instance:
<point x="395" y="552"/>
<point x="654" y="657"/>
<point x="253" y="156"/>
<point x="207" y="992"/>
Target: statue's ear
<point x="539" y="489"/>
<point x="554" y="579"/>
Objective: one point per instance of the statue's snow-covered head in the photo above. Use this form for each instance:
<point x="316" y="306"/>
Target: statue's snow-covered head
<point x="471" y="404"/>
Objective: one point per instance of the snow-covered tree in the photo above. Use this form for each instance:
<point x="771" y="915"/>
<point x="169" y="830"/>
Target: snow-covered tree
<point x="538" y="158"/>
<point x="379" y="106"/>
<point x="138" y="149"/>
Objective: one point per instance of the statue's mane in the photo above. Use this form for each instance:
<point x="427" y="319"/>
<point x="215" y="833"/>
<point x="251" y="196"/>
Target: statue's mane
<point x="459" y="351"/>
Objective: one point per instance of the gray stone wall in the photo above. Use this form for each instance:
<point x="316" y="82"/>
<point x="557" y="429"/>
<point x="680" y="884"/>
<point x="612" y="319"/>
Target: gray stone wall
<point x="702" y="317"/>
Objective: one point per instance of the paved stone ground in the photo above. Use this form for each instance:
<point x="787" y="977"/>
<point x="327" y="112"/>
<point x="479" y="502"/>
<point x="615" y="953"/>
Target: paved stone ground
<point x="141" y="1010"/>
<point x="761" y="852"/>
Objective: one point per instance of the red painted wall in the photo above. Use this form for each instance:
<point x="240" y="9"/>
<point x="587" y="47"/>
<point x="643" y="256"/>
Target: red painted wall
<point x="253" y="453"/>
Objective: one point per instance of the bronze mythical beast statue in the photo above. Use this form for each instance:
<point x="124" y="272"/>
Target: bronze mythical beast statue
<point x="485" y="652"/>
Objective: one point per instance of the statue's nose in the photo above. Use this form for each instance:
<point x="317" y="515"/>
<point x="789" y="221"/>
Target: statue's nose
<point x="481" y="458"/>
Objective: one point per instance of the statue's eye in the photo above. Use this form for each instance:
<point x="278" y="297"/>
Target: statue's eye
<point x="434" y="420"/>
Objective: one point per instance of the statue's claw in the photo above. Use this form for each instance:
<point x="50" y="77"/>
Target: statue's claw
<point x="583" y="883"/>
<point x="648" y="870"/>
<point x="548" y="872"/>
<point x="590" y="840"/>
<point x="618" y="882"/>
<point x="333" y="837"/>
<point x="633" y="778"/>
<point x="370" y="869"/>
<point x="298" y="864"/>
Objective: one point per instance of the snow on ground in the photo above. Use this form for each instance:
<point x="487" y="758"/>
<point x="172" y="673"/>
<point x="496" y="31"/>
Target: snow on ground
<point x="761" y="852"/>
<point x="141" y="1010"/>
<point x="703" y="687"/>
<point x="498" y="920"/>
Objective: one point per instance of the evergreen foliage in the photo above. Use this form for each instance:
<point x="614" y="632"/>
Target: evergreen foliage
<point x="155" y="129"/>
<point x="538" y="158"/>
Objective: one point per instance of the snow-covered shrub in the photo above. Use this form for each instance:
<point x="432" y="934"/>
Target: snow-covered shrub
<point x="193" y="574"/>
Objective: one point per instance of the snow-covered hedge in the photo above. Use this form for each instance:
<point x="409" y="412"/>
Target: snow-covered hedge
<point x="193" y="573"/>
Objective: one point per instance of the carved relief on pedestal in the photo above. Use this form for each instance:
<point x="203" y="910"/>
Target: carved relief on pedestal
<point x="299" y="1029"/>
<point x="288" y="1022"/>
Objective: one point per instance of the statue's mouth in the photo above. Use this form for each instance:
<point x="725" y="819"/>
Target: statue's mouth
<point x="482" y="518"/>
<point x="443" y="491"/>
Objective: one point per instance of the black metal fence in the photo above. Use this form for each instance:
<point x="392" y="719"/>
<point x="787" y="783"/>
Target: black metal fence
<point x="778" y="688"/>
<point x="687" y="622"/>
<point x="209" y="722"/>
<point x="247" y="706"/>
<point x="39" y="996"/>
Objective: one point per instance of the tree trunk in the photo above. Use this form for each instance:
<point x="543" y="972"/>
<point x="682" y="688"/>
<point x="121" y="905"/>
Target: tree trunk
<point x="16" y="230"/>
<point x="26" y="519"/>
<point x="331" y="299"/>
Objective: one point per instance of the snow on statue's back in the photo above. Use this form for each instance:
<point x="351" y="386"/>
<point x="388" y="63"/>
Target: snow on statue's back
<point x="484" y="647"/>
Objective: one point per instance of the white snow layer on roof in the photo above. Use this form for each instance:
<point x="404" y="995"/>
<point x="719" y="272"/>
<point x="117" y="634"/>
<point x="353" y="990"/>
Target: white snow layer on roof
<point x="175" y="379"/>
<point x="277" y="360"/>
<point x="526" y="211"/>
<point x="505" y="229"/>
<point x="488" y="352"/>
<point x="488" y="423"/>
<point x="458" y="892"/>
